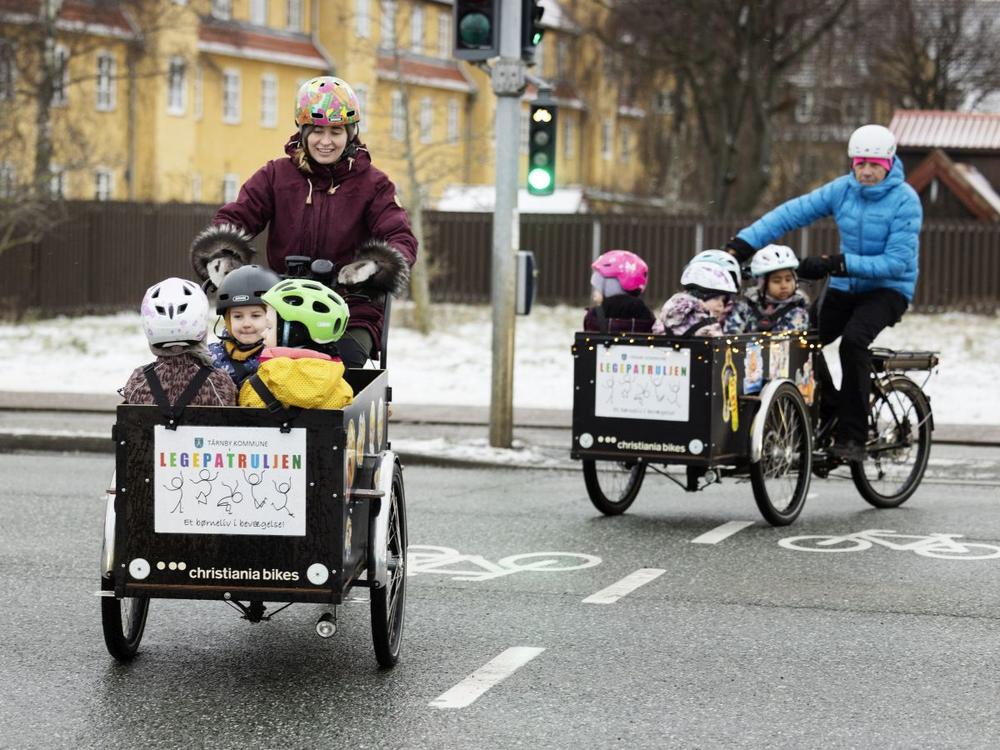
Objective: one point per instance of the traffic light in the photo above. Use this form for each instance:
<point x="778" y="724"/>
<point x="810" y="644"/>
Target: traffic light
<point x="531" y="28"/>
<point x="477" y="29"/>
<point x="542" y="150"/>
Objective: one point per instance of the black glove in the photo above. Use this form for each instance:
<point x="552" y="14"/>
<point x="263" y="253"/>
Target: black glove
<point x="740" y="248"/>
<point x="817" y="267"/>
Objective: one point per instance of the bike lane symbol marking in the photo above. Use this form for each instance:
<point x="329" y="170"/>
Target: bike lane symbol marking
<point x="626" y="585"/>
<point x="492" y="673"/>
<point x="719" y="533"/>
<point x="936" y="545"/>
<point x="426" y="559"/>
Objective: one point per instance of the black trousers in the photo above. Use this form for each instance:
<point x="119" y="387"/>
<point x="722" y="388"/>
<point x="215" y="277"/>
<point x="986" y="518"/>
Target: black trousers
<point x="355" y="347"/>
<point x="856" y="319"/>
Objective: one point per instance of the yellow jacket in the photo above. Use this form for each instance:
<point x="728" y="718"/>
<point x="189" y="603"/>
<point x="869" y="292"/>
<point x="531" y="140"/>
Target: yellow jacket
<point x="308" y="383"/>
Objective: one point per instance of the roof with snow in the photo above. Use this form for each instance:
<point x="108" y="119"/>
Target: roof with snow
<point x="924" y="128"/>
<point x="963" y="180"/>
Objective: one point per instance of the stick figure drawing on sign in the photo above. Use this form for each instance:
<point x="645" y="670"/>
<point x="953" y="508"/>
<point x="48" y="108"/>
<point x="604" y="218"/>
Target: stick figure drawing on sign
<point x="204" y="477"/>
<point x="177" y="484"/>
<point x="255" y="480"/>
<point x="283" y="489"/>
<point x="234" y="496"/>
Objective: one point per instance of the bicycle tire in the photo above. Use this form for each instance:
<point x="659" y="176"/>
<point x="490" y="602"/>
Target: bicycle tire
<point x="388" y="603"/>
<point x="619" y="488"/>
<point x="123" y="622"/>
<point x="781" y="477"/>
<point x="892" y="439"/>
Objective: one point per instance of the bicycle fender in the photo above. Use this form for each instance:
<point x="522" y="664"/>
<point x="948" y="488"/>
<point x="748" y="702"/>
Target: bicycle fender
<point x="380" y="541"/>
<point x="757" y="426"/>
<point x="108" y="547"/>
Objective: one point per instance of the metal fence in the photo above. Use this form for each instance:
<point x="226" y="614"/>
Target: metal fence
<point x="106" y="254"/>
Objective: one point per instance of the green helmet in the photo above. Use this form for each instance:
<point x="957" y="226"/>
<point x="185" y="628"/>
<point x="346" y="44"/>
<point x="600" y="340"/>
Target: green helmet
<point x="319" y="309"/>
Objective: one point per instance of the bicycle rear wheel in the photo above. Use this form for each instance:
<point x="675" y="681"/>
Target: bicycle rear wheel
<point x="613" y="485"/>
<point x="898" y="446"/>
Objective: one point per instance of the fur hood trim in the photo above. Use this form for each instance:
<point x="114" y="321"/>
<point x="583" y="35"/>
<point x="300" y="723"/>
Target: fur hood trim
<point x="393" y="274"/>
<point x="217" y="241"/>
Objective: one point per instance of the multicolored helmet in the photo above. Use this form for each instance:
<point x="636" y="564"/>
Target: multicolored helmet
<point x="174" y="313"/>
<point x="630" y="270"/>
<point x="705" y="276"/>
<point x="318" y="308"/>
<point x="724" y="259"/>
<point x="326" y="100"/>
<point x="773" y="258"/>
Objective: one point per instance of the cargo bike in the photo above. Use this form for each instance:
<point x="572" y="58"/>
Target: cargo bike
<point x="257" y="506"/>
<point x="744" y="406"/>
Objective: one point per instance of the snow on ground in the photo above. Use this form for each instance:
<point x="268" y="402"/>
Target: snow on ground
<point x="95" y="354"/>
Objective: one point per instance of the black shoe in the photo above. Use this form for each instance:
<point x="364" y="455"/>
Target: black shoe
<point x="850" y="451"/>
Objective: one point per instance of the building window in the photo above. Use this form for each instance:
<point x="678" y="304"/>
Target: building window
<point x="295" y="15"/>
<point x="199" y="91"/>
<point x="398" y="116"/>
<point x="804" y="106"/>
<point x="231" y="97"/>
<point x="176" y="87"/>
<point x="663" y="102"/>
<point x="60" y="82"/>
<point x="105" y="82"/>
<point x="444" y="35"/>
<point x="562" y="58"/>
<point x="626" y="144"/>
<point x="8" y="67"/>
<point x="452" y="121"/>
<point x="569" y="133"/>
<point x="426" y="120"/>
<point x="362" y="93"/>
<point x="196" y="187"/>
<point x="606" y="128"/>
<point x="104" y="184"/>
<point x="258" y="12"/>
<point x="387" y="24"/>
<point x="57" y="183"/>
<point x="362" y="19"/>
<point x="230" y="188"/>
<point x="222" y="9"/>
<point x="8" y="180"/>
<point x="417" y="29"/>
<point x="268" y="101"/>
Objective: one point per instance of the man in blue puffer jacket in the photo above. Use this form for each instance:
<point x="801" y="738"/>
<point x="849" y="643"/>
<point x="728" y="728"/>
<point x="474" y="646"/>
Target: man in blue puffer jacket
<point x="879" y="218"/>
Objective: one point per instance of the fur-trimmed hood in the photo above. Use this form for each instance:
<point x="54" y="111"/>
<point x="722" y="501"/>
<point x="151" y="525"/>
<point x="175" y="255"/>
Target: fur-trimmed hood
<point x="218" y="250"/>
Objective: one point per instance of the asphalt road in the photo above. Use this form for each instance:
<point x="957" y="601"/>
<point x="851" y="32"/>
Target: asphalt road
<point x="738" y="643"/>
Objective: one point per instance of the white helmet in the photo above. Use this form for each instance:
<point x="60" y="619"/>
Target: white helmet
<point x="708" y="277"/>
<point x="721" y="258"/>
<point x="773" y="258"/>
<point x="873" y="141"/>
<point x="175" y="312"/>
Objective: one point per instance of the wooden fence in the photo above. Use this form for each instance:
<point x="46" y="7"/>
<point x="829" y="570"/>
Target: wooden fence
<point x="106" y="254"/>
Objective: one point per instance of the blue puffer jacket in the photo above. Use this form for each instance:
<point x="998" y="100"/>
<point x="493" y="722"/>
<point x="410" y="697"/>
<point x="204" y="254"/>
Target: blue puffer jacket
<point x="879" y="229"/>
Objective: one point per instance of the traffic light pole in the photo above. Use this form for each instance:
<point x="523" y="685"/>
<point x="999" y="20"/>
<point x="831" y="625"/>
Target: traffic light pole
<point x="508" y="84"/>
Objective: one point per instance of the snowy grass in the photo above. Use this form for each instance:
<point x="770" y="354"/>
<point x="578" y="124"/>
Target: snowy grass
<point x="95" y="354"/>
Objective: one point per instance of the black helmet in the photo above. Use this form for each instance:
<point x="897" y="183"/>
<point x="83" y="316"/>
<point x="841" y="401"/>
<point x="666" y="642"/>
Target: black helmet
<point x="245" y="286"/>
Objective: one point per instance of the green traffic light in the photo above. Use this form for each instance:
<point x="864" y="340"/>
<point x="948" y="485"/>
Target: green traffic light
<point x="539" y="179"/>
<point x="474" y="30"/>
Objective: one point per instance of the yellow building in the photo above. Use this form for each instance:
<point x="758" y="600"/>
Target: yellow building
<point x="202" y="94"/>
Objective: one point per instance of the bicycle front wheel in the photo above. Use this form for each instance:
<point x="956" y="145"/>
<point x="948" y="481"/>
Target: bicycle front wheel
<point x="613" y="485"/>
<point x="781" y="478"/>
<point x="898" y="446"/>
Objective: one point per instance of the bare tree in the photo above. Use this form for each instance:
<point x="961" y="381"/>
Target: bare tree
<point x="36" y="78"/>
<point x="729" y="60"/>
<point x="943" y="54"/>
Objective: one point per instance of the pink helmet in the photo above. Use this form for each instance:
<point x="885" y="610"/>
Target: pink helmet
<point x="630" y="270"/>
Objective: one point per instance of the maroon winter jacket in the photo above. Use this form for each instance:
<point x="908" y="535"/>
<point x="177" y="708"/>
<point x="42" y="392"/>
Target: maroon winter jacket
<point x="323" y="212"/>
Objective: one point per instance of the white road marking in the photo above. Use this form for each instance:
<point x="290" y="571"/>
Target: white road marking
<point x="719" y="533"/>
<point x="492" y="673"/>
<point x="812" y="495"/>
<point x="629" y="583"/>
